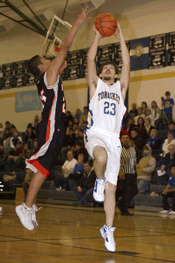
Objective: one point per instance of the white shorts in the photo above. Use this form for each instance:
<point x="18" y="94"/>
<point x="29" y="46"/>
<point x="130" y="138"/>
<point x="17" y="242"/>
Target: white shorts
<point x="111" y="142"/>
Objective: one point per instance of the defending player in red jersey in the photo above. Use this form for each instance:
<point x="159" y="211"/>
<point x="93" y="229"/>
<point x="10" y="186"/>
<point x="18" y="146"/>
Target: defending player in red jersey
<point x="50" y="132"/>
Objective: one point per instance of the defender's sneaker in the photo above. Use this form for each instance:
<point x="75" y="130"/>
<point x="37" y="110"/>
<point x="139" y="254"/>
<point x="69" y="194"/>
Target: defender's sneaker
<point x="99" y="190"/>
<point x="171" y="212"/>
<point x="34" y="210"/>
<point x="108" y="234"/>
<point x="25" y="216"/>
<point x="164" y="212"/>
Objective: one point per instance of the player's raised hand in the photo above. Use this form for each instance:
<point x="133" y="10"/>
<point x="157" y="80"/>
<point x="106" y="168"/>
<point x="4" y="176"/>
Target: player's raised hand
<point x="97" y="33"/>
<point x="119" y="32"/>
<point x="83" y="16"/>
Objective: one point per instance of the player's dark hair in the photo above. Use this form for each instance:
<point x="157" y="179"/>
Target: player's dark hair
<point x="172" y="133"/>
<point x="172" y="165"/>
<point x="167" y="93"/>
<point x="33" y="65"/>
<point x="109" y="63"/>
<point x="134" y="129"/>
<point x="88" y="162"/>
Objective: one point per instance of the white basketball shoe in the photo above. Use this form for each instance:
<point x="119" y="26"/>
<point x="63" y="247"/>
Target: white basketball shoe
<point x="34" y="210"/>
<point x="108" y="234"/>
<point x="164" y="212"/>
<point x="99" y="190"/>
<point x="25" y="215"/>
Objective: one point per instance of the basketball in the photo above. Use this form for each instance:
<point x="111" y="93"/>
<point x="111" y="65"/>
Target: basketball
<point x="106" y="24"/>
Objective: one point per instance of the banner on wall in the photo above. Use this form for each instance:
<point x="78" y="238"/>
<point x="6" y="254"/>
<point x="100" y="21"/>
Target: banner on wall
<point x="84" y="63"/>
<point x="157" y="51"/>
<point x="73" y="67"/>
<point x="8" y="70"/>
<point x="20" y="67"/>
<point x="118" y="55"/>
<point x="171" y="49"/>
<point x="27" y="101"/>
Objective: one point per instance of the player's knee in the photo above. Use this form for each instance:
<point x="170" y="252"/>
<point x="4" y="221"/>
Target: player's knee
<point x="110" y="188"/>
<point x="101" y="158"/>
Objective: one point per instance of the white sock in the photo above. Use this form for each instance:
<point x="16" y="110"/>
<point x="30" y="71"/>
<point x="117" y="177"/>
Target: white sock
<point x="26" y="207"/>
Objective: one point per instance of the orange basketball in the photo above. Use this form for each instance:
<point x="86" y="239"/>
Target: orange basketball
<point x="106" y="24"/>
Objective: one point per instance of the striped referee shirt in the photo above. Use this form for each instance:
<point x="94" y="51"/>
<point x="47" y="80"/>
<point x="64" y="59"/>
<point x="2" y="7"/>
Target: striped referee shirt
<point x="127" y="160"/>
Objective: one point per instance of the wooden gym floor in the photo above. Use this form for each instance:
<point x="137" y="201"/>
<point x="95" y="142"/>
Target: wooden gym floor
<point x="71" y="234"/>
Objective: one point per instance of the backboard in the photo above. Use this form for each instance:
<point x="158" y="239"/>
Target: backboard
<point x="54" y="37"/>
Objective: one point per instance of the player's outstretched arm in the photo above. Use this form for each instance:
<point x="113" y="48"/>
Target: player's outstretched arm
<point x="63" y="66"/>
<point x="125" y="74"/>
<point x="92" y="77"/>
<point x="55" y="65"/>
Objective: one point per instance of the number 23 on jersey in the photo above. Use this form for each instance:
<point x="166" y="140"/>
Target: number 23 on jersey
<point x="109" y="108"/>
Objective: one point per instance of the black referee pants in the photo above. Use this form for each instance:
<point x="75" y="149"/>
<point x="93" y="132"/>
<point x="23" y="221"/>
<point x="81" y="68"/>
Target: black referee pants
<point x="129" y="186"/>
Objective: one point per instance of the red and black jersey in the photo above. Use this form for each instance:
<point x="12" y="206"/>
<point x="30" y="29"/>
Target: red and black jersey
<point x="52" y="98"/>
<point x="50" y="129"/>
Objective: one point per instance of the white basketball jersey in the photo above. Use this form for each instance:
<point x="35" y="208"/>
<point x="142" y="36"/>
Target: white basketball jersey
<point x="106" y="108"/>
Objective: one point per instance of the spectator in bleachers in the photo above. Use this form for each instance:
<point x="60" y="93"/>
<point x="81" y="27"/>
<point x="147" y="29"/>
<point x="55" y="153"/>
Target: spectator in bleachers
<point x="8" y="125"/>
<point x="144" y="106"/>
<point x="127" y="175"/>
<point x="77" y="114"/>
<point x="171" y="127"/>
<point x="153" y="141"/>
<point x="148" y="115"/>
<point x="124" y="132"/>
<point x="75" y="129"/>
<point x="80" y="149"/>
<point x="155" y="112"/>
<point x="29" y="137"/>
<point x="138" y="141"/>
<point x="82" y="125"/>
<point x="168" y="104"/>
<point x="14" y="140"/>
<point x="61" y="179"/>
<point x="36" y="118"/>
<point x="35" y="147"/>
<point x="130" y="125"/>
<point x="26" y="153"/>
<point x="70" y="126"/>
<point x="12" y="159"/>
<point x="80" y="137"/>
<point x="144" y="168"/>
<point x="68" y="118"/>
<point x="34" y="127"/>
<point x="86" y="185"/>
<point x="28" y="177"/>
<point x="3" y="157"/>
<point x="166" y="162"/>
<point x="148" y="127"/>
<point x="84" y="114"/>
<point x="1" y="130"/>
<point x="140" y="114"/>
<point x="76" y="121"/>
<point x="69" y="142"/>
<point x="134" y="111"/>
<point x="141" y="128"/>
<point x="167" y="142"/>
<point x="13" y="129"/>
<point x="126" y="117"/>
<point x="6" y="139"/>
<point x="169" y="193"/>
<point x="74" y="178"/>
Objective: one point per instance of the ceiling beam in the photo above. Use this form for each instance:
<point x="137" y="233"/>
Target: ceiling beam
<point x="33" y="26"/>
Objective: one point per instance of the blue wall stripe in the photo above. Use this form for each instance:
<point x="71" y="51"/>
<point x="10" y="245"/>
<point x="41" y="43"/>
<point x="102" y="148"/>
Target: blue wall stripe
<point x="143" y="41"/>
<point x="138" y="63"/>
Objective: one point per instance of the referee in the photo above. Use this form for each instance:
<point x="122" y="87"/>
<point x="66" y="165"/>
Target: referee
<point x="127" y="175"/>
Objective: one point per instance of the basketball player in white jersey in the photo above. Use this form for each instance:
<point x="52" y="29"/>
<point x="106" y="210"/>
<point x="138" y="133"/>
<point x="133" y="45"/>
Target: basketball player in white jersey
<point x="106" y="110"/>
